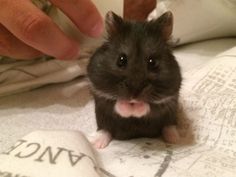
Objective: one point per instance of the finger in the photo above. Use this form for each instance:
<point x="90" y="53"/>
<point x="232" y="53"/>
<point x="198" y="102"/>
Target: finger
<point x="33" y="27"/>
<point x="12" y="47"/>
<point x="138" y="9"/>
<point x="84" y="14"/>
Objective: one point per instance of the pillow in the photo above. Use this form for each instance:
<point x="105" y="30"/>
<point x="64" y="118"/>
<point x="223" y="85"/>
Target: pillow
<point x="199" y="20"/>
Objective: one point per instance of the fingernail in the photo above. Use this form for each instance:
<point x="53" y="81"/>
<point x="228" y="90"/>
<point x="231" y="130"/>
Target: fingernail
<point x="77" y="55"/>
<point x="97" y="29"/>
<point x="71" y="54"/>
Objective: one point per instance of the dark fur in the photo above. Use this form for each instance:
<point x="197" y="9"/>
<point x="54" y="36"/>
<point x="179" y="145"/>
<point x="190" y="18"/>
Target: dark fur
<point x="139" y="41"/>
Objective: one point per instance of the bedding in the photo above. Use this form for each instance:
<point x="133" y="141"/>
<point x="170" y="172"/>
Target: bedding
<point x="58" y="98"/>
<point x="207" y="118"/>
<point x="199" y="20"/>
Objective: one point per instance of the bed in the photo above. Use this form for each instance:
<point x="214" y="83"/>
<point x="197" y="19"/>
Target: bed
<point x="69" y="106"/>
<point x="207" y="114"/>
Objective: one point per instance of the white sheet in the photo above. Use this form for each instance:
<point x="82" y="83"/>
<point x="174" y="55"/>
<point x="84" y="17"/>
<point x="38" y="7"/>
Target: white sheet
<point x="70" y="107"/>
<point x="62" y="106"/>
<point x="199" y="20"/>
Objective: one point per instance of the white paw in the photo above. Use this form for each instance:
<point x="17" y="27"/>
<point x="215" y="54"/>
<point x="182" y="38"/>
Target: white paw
<point x="102" y="139"/>
<point x="171" y="134"/>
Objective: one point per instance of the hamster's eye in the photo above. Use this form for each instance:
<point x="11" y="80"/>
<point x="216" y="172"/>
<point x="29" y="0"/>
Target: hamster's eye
<point x="152" y="63"/>
<point x="122" y="61"/>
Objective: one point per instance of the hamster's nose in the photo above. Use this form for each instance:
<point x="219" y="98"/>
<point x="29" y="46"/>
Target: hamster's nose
<point x="135" y="88"/>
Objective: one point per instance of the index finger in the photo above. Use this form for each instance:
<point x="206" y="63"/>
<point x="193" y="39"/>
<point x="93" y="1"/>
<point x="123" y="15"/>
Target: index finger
<point x="33" y="27"/>
<point x="84" y="14"/>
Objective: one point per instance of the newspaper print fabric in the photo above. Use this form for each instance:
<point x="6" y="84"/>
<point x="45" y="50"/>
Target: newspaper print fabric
<point x="207" y="122"/>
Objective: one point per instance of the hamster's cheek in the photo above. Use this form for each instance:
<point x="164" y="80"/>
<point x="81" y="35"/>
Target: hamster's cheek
<point x="123" y="109"/>
<point x="141" y="109"/>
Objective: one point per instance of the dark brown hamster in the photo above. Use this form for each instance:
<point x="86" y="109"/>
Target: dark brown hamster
<point x="135" y="81"/>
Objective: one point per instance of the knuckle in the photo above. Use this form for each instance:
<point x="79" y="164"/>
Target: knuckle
<point x="5" y="47"/>
<point x="59" y="1"/>
<point x="33" y="26"/>
<point x="4" y="3"/>
<point x="31" y="54"/>
<point x="68" y="53"/>
<point x="65" y="1"/>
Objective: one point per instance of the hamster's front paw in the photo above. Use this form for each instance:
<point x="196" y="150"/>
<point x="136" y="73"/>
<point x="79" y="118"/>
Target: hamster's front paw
<point x="171" y="134"/>
<point x="102" y="139"/>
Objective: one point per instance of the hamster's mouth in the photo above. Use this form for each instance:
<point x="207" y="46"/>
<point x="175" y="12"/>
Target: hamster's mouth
<point x="131" y="108"/>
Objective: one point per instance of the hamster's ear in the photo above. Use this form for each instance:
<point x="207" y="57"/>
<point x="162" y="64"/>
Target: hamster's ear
<point x="165" y="22"/>
<point x="114" y="23"/>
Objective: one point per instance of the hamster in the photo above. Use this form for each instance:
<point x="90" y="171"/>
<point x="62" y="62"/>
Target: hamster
<point x="135" y="81"/>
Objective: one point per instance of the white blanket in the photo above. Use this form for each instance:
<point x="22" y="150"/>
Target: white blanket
<point x="207" y="99"/>
<point x="18" y="76"/>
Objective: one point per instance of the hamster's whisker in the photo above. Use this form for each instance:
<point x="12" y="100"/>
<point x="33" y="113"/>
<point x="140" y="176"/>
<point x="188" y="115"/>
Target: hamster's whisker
<point x="170" y="105"/>
<point x="163" y="100"/>
<point x="155" y="96"/>
<point x="102" y="93"/>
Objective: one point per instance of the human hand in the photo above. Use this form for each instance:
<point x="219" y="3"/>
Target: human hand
<point x="138" y="9"/>
<point x="26" y="32"/>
